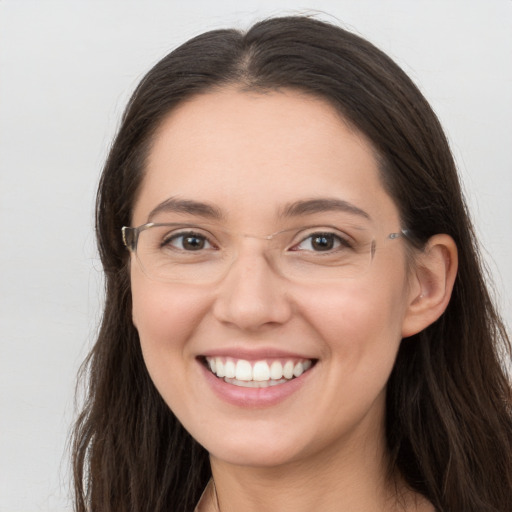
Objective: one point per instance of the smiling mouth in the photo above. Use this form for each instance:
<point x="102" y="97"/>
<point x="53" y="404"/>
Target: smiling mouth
<point x="257" y="374"/>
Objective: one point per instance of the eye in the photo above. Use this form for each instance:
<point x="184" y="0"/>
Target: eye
<point x="321" y="242"/>
<point x="189" y="241"/>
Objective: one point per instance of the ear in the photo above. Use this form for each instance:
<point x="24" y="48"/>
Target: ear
<point x="431" y="284"/>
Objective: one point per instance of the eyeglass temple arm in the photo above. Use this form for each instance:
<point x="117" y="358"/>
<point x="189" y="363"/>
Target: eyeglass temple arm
<point x="403" y="232"/>
<point x="129" y="237"/>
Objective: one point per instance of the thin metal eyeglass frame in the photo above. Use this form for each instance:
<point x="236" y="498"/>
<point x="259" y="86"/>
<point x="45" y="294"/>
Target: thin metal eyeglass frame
<point x="130" y="235"/>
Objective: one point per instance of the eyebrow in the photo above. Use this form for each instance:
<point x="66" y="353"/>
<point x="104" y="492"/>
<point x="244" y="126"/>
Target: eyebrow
<point x="295" y="209"/>
<point x="188" y="206"/>
<point x="321" y="205"/>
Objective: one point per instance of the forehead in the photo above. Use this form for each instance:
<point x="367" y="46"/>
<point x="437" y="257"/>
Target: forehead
<point x="250" y="154"/>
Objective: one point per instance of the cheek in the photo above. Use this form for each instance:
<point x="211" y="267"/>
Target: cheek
<point x="161" y="312"/>
<point x="158" y="313"/>
<point x="360" y="323"/>
<point x="165" y="317"/>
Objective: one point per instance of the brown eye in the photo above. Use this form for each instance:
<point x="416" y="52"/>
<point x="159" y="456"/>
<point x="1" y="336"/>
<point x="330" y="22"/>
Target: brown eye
<point x="320" y="242"/>
<point x="188" y="242"/>
<point x="193" y="243"/>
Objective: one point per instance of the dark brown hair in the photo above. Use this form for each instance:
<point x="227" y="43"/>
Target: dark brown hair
<point x="448" y="421"/>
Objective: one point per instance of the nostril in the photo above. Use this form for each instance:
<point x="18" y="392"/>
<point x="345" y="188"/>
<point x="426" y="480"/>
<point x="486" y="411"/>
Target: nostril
<point x="251" y="303"/>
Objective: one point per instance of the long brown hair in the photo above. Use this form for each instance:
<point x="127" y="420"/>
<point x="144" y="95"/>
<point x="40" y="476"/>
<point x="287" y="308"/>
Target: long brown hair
<point x="448" y="421"/>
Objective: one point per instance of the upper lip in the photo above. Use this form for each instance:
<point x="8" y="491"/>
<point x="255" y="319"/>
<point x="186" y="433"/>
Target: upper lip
<point x="255" y="354"/>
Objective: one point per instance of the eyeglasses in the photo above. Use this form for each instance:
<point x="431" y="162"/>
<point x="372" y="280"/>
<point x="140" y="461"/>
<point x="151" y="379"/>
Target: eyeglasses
<point x="171" y="252"/>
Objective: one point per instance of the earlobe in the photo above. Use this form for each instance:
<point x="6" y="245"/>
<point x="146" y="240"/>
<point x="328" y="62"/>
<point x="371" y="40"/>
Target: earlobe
<point x="434" y="277"/>
<point x="134" y="317"/>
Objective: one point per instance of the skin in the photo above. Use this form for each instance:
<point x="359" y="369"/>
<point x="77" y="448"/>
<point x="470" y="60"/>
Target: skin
<point x="323" y="448"/>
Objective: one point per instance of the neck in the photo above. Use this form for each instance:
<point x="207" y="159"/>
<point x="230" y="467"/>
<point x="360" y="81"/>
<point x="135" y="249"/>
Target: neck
<point x="353" y="479"/>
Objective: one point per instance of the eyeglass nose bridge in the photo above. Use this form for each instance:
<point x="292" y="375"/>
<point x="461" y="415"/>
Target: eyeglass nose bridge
<point x="270" y="237"/>
<point x="268" y="252"/>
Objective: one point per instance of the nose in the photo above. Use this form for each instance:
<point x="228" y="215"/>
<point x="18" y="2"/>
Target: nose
<point x="252" y="295"/>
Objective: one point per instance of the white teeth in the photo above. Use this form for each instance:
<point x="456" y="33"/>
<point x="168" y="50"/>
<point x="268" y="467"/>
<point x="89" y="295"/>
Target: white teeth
<point x="229" y="369"/>
<point x="220" y="368"/>
<point x="287" y="370"/>
<point x="276" y="370"/>
<point x="243" y="370"/>
<point x="298" y="370"/>
<point x="261" y="371"/>
<point x="255" y="384"/>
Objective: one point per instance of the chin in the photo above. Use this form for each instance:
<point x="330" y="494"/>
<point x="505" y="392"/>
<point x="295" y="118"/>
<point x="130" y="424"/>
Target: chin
<point x="254" y="447"/>
<point x="255" y="456"/>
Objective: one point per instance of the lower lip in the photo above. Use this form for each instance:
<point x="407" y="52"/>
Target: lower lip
<point x="253" y="397"/>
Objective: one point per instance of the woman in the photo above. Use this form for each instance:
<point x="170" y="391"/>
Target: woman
<point x="296" y="317"/>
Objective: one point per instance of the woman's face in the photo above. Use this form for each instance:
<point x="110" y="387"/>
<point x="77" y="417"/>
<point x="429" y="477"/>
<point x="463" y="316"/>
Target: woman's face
<point x="258" y="164"/>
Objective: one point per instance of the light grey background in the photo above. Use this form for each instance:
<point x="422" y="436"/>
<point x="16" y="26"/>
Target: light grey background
<point x="67" y="69"/>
